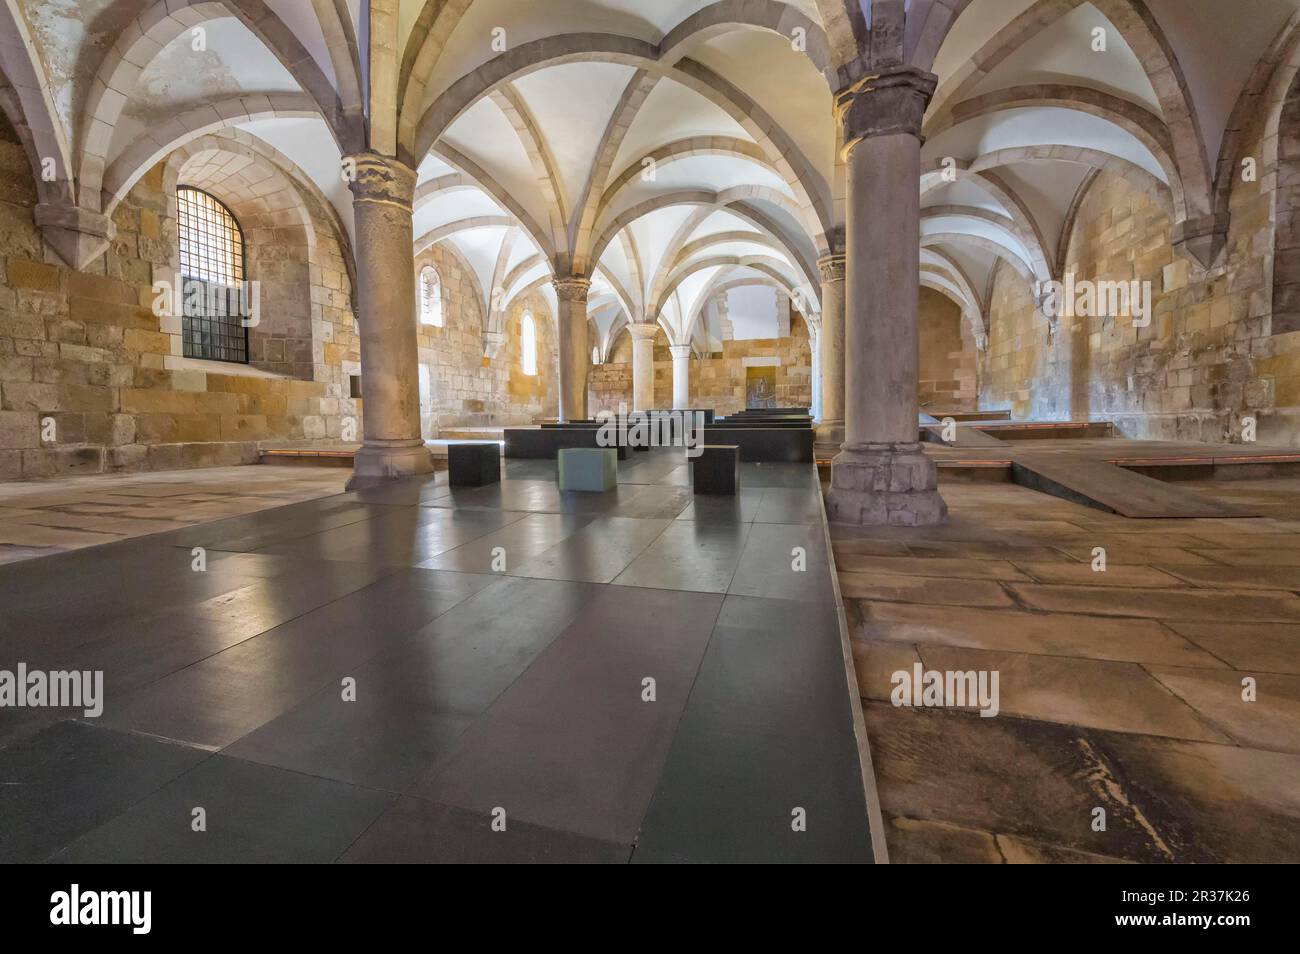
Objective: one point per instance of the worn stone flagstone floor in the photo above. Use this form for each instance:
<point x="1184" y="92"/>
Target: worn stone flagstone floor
<point x="1119" y="689"/>
<point x="41" y="517"/>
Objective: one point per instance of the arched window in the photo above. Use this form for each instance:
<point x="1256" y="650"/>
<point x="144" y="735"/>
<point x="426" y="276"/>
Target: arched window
<point x="595" y="355"/>
<point x="430" y="297"/>
<point x="216" y="299"/>
<point x="528" y="343"/>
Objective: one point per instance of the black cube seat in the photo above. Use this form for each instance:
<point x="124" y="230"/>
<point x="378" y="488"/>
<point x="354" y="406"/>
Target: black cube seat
<point x="473" y="465"/>
<point x="717" y="469"/>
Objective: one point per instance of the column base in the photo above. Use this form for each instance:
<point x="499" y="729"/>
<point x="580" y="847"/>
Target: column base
<point x="830" y="435"/>
<point x="386" y="460"/>
<point x="876" y="485"/>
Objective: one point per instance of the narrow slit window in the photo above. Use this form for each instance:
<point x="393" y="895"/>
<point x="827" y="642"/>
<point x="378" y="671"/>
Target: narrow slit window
<point x="528" y="344"/>
<point x="430" y="297"/>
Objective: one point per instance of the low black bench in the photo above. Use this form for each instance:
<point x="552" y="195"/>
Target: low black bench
<point x="717" y="469"/>
<point x="547" y="441"/>
<point x="770" y="445"/>
<point x="473" y="465"/>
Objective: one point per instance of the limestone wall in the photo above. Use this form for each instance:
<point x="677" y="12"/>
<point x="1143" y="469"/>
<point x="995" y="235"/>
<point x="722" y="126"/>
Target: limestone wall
<point x="947" y="356"/>
<point x="467" y="388"/>
<point x="92" y="381"/>
<point x="717" y="381"/>
<point x="1208" y="357"/>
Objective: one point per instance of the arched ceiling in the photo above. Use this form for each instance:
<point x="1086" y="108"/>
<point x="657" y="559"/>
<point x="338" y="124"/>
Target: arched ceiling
<point x="665" y="148"/>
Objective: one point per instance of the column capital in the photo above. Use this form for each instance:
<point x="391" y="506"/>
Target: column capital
<point x="832" y="268"/>
<point x="380" y="179"/>
<point x="643" y="331"/>
<point x="572" y="288"/>
<point x="884" y="104"/>
<point x="680" y="351"/>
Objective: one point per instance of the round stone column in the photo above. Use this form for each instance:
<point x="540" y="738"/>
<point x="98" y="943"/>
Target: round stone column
<point x="575" y="356"/>
<point x="643" y="364"/>
<point x="681" y="376"/>
<point x="881" y="475"/>
<point x="830" y="430"/>
<point x="385" y="293"/>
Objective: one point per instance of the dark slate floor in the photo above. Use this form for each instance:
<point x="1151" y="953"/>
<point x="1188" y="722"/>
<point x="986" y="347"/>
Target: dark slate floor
<point x="476" y="689"/>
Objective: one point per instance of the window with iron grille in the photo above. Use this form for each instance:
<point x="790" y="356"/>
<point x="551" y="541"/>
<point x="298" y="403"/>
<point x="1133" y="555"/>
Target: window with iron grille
<point x="212" y="268"/>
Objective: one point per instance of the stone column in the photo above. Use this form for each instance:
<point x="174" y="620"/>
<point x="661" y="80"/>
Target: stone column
<point x="881" y="475"/>
<point x="381" y="201"/>
<point x="815" y="386"/>
<point x="575" y="356"/>
<point x="830" y="430"/>
<point x="681" y="376"/>
<point x="643" y="365"/>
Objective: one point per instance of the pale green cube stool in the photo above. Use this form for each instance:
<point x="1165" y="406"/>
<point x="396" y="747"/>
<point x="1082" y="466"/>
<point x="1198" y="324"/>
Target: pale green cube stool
<point x="588" y="468"/>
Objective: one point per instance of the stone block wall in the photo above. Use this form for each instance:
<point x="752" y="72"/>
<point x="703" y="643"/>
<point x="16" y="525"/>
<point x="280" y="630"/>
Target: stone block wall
<point x="947" y="356"/>
<point x="467" y="389"/>
<point x="1209" y="357"/>
<point x="717" y="381"/>
<point x="91" y="379"/>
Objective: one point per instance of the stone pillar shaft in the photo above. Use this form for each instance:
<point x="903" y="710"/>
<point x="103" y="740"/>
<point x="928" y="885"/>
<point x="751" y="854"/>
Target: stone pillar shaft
<point x="882" y="476"/>
<point x="575" y="355"/>
<point x="681" y="376"/>
<point x="643" y="365"/>
<point x="830" y="344"/>
<point x="393" y="446"/>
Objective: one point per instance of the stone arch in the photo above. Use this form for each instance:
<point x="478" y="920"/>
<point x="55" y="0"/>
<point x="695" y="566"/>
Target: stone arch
<point x="159" y="25"/>
<point x="770" y="278"/>
<point x="1140" y="123"/>
<point x="678" y="151"/>
<point x="1286" y="215"/>
<point x="294" y="242"/>
<point x="29" y="108"/>
<point x="1027" y="236"/>
<point x="1185" y="143"/>
<point x="1139" y="178"/>
<point x="147" y="151"/>
<point x="419" y="136"/>
<point x="732" y="200"/>
<point x="727" y="15"/>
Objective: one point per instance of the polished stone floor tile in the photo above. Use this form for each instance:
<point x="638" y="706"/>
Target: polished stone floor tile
<point x="689" y="555"/>
<point x="583" y="744"/>
<point x="512" y="545"/>
<point x="741" y="761"/>
<point x="740" y="508"/>
<point x="771" y="561"/>
<point x="415" y="831"/>
<point x="254" y="814"/>
<point x="402" y="536"/>
<point x="73" y="776"/>
<point x="788" y="505"/>
<point x="597" y="553"/>
<point x="412" y="703"/>
<point x="225" y="696"/>
<point x="356" y="675"/>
